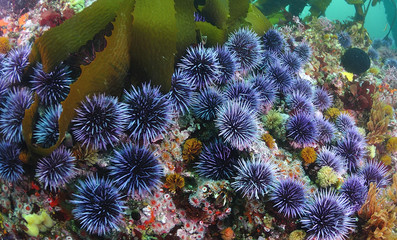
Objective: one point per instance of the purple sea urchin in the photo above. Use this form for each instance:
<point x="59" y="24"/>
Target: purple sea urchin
<point x="304" y="87"/>
<point x="254" y="178"/>
<point x="298" y="103"/>
<point x="288" y="197"/>
<point x="135" y="169"/>
<point x="149" y="112"/>
<point x="304" y="52"/>
<point x="100" y="121"/>
<point x="206" y="103"/>
<point x="280" y="76"/>
<point x="12" y="113"/>
<point x="352" y="150"/>
<point x="14" y="64"/>
<point x="217" y="161"/>
<point x="237" y="124"/>
<point x="46" y="131"/>
<point x="376" y="172"/>
<point x="53" y="87"/>
<point x="273" y="41"/>
<point x="265" y="87"/>
<point x="268" y="57"/>
<point x="354" y="190"/>
<point x="243" y="91"/>
<point x="344" y="122"/>
<point x="57" y="169"/>
<point x="328" y="157"/>
<point x="326" y="130"/>
<point x="99" y="206"/>
<point x="327" y="216"/>
<point x="227" y="62"/>
<point x="291" y="61"/>
<point x="200" y="66"/>
<point x="11" y="169"/>
<point x="321" y="99"/>
<point x="245" y="44"/>
<point x="344" y="39"/>
<point x="302" y="130"/>
<point x="180" y="93"/>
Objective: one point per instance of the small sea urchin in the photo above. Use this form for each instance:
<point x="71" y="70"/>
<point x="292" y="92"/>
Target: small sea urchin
<point x="180" y="93"/>
<point x="352" y="150"/>
<point x="99" y="206"/>
<point x="57" y="169"/>
<point x="53" y="87"/>
<point x="99" y="122"/>
<point x="135" y="169"/>
<point x="227" y="62"/>
<point x="14" y="64"/>
<point x="237" y="124"/>
<point x="46" y="131"/>
<point x="376" y="172"/>
<point x="273" y="40"/>
<point x="149" y="112"/>
<point x="206" y="102"/>
<point x="243" y="91"/>
<point x="281" y="77"/>
<point x="289" y="197"/>
<point x="302" y="130"/>
<point x="355" y="191"/>
<point x="254" y="178"/>
<point x="328" y="157"/>
<point x="217" y="161"/>
<point x="344" y="39"/>
<point x="200" y="66"/>
<point x="245" y="44"/>
<point x="327" y="216"/>
<point x="11" y="169"/>
<point x="321" y="99"/>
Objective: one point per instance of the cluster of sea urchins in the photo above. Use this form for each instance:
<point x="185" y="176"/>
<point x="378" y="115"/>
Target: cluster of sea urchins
<point x="231" y="85"/>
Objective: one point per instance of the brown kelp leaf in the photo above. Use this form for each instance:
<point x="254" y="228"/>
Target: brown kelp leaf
<point x="154" y="39"/>
<point x="55" y="45"/>
<point x="213" y="34"/>
<point x="216" y="12"/>
<point x="186" y="28"/>
<point x="105" y="74"/>
<point x="238" y="10"/>
<point x="259" y="23"/>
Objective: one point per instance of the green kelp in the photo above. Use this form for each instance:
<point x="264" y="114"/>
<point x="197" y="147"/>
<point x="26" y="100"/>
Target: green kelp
<point x="148" y="38"/>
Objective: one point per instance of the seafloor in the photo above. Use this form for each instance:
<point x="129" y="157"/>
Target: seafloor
<point x="288" y="134"/>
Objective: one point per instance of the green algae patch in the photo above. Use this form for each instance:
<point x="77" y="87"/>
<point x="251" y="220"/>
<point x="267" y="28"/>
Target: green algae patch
<point x="106" y="74"/>
<point x="216" y="12"/>
<point x="185" y="25"/>
<point x="55" y="45"/>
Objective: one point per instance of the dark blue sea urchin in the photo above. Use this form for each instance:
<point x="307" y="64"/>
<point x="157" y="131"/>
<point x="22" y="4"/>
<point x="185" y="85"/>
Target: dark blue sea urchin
<point x="135" y="169"/>
<point x="46" y="131"/>
<point x="206" y="102"/>
<point x="99" y="206"/>
<point x="11" y="169"/>
<point x="289" y="197"/>
<point x="302" y="130"/>
<point x="355" y="191"/>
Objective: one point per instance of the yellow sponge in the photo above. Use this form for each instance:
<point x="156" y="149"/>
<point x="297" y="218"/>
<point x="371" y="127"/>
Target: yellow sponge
<point x="38" y="223"/>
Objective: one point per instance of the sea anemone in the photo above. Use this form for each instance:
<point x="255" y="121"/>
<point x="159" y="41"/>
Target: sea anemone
<point x="53" y="87"/>
<point x="376" y="172"/>
<point x="265" y="87"/>
<point x="56" y="169"/>
<point x="200" y="66"/>
<point x="246" y="46"/>
<point x="321" y="99"/>
<point x="217" y="161"/>
<point x="304" y="52"/>
<point x="12" y="113"/>
<point x="11" y="169"/>
<point x="352" y="150"/>
<point x="302" y="130"/>
<point x="180" y="93"/>
<point x="291" y="61"/>
<point x="281" y="77"/>
<point x="227" y="62"/>
<point x="328" y="157"/>
<point x="206" y="103"/>
<point x="254" y="178"/>
<point x="355" y="191"/>
<point x="327" y="216"/>
<point x="304" y="87"/>
<point x="298" y="103"/>
<point x="344" y="122"/>
<point x="14" y="64"/>
<point x="100" y="121"/>
<point x="344" y="39"/>
<point x="326" y="130"/>
<point x="99" y="206"/>
<point x="46" y="131"/>
<point x="135" y="169"/>
<point x="273" y="41"/>
<point x="243" y="91"/>
<point x="237" y="124"/>
<point x="149" y="112"/>
<point x="288" y="197"/>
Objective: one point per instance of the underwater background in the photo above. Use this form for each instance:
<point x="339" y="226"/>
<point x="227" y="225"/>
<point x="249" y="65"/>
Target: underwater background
<point x="198" y="119"/>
